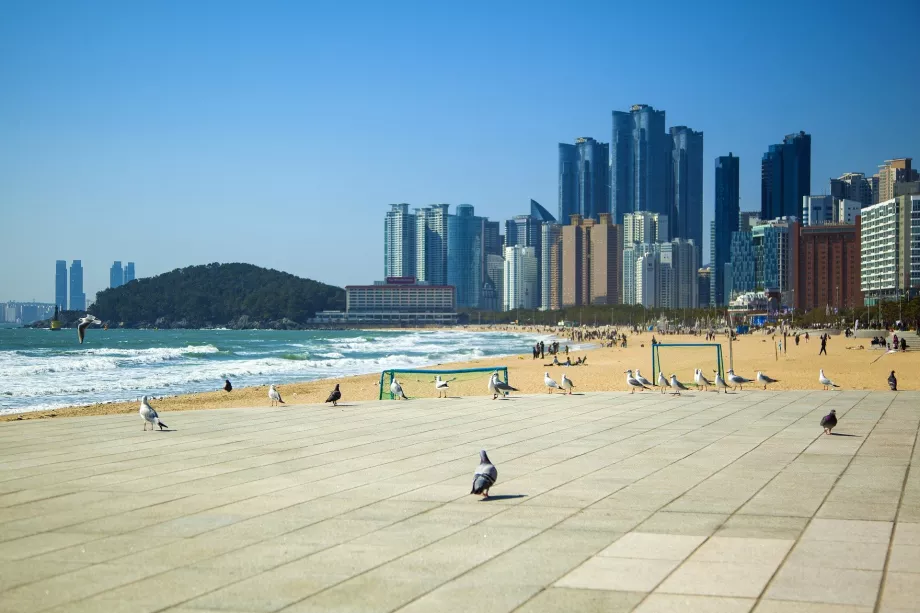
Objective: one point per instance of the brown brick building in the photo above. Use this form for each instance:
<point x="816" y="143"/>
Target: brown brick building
<point x="826" y="266"/>
<point x="592" y="261"/>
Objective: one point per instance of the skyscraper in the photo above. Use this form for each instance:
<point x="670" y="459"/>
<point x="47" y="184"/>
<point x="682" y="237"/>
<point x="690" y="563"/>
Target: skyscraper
<point x="583" y="179"/>
<point x="60" y="284"/>
<point x="639" y="150"/>
<point x="520" y="276"/>
<point x="465" y="255"/>
<point x="743" y="267"/>
<point x="852" y="186"/>
<point x="551" y="267"/>
<point x="606" y="261"/>
<point x="538" y="212"/>
<point x="645" y="227"/>
<point x="399" y="242"/>
<point x="576" y="268"/>
<point x="77" y="296"/>
<point x="685" y="187"/>
<point x="129" y="272"/>
<point x="727" y="211"/>
<point x="116" y="275"/>
<point x="526" y="231"/>
<point x="785" y="177"/>
<point x="431" y="244"/>
<point x="892" y="172"/>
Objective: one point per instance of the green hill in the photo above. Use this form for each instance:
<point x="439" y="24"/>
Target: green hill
<point x="217" y="295"/>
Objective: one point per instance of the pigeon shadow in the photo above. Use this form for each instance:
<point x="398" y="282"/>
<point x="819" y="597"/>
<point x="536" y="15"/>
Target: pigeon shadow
<point x="841" y="434"/>
<point x="503" y="497"/>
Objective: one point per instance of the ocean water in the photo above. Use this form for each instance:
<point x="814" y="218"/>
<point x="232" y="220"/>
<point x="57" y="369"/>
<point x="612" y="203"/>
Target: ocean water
<point x="40" y="369"/>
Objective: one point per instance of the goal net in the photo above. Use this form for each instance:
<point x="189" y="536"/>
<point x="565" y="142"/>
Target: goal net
<point x="682" y="359"/>
<point x="419" y="383"/>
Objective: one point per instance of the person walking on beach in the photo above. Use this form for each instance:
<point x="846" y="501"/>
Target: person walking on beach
<point x="806" y="337"/>
<point x="823" y="344"/>
<point x="542" y="349"/>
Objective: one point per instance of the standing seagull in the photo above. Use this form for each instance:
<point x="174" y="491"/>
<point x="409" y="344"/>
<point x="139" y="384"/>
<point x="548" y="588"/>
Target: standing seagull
<point x="720" y="383"/>
<point x="567" y="384"/>
<point x="701" y="381"/>
<point x="150" y="416"/>
<point x="823" y="380"/>
<point x="397" y="390"/>
<point x="440" y="386"/>
<point x="662" y="381"/>
<point x="892" y="382"/>
<point x="736" y="380"/>
<point x="549" y="383"/>
<point x="642" y="379"/>
<point x="497" y="386"/>
<point x="274" y="396"/>
<point x="485" y="476"/>
<point x="335" y="396"/>
<point x="763" y="379"/>
<point x="829" y="421"/>
<point x="632" y="382"/>
<point x="83" y="324"/>
<point x="677" y="386"/>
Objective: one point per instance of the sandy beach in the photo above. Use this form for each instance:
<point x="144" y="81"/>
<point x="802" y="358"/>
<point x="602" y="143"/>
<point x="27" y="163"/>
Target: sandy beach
<point x="796" y="369"/>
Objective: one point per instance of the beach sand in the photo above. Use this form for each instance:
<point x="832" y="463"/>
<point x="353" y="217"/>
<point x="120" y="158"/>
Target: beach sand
<point x="797" y="369"/>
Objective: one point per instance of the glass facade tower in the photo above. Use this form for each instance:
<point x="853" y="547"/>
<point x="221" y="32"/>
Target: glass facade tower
<point x="727" y="212"/>
<point x="431" y="244"/>
<point x="60" y="284"/>
<point x="77" y="296"/>
<point x="639" y="150"/>
<point x="785" y="177"/>
<point x="685" y="186"/>
<point x="399" y="242"/>
<point x="465" y="255"/>
<point x="583" y="179"/>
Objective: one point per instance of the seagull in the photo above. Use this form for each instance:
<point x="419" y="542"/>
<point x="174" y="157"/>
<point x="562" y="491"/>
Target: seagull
<point x="150" y="416"/>
<point x="892" y="382"/>
<point x="633" y="383"/>
<point x="497" y="386"/>
<point x="567" y="384"/>
<point x="485" y="476"/>
<point x="642" y="379"/>
<point x="83" y="324"/>
<point x="763" y="379"/>
<point x="335" y="396"/>
<point x="736" y="380"/>
<point x="549" y="383"/>
<point x="823" y="380"/>
<point x="701" y="381"/>
<point x="440" y="386"/>
<point x="274" y="396"/>
<point x="720" y="383"/>
<point x="662" y="381"/>
<point x="397" y="390"/>
<point x="829" y="421"/>
<point x="677" y="386"/>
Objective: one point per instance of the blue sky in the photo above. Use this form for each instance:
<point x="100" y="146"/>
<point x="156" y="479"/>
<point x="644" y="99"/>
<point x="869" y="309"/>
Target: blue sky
<point x="275" y="133"/>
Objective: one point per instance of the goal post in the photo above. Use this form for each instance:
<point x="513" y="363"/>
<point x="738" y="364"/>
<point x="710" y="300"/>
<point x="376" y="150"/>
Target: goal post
<point x="682" y="359"/>
<point x="419" y="382"/>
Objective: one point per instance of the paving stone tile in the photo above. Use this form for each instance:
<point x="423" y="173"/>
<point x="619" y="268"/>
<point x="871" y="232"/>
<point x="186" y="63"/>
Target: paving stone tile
<point x="653" y="546"/>
<point x="683" y="603"/>
<point x="719" y="579"/>
<point x="761" y="526"/>
<point x="620" y="574"/>
<point x="557" y="599"/>
<point x="838" y="554"/>
<point x="697" y="524"/>
<point x="901" y="591"/>
<point x="786" y="606"/>
<point x="848" y="530"/>
<point x="743" y="550"/>
<point x="828" y="585"/>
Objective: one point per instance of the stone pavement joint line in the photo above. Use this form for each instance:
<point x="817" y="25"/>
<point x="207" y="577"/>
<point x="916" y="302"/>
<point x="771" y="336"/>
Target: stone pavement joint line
<point x="604" y="502"/>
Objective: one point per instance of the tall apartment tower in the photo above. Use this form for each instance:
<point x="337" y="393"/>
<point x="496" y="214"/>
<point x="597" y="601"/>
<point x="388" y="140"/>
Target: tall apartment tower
<point x="727" y="213"/>
<point x="116" y="275"/>
<point x="583" y="179"/>
<point x="891" y="173"/>
<point x="639" y="149"/>
<point x="852" y="186"/>
<point x="129" y="272"/>
<point x="551" y="267"/>
<point x="520" y="278"/>
<point x="685" y="186"/>
<point x="606" y="261"/>
<point x="399" y="242"/>
<point x="465" y="255"/>
<point x="576" y="255"/>
<point x="645" y="227"/>
<point x="431" y="244"/>
<point x="785" y="177"/>
<point x="60" y="284"/>
<point x="77" y="296"/>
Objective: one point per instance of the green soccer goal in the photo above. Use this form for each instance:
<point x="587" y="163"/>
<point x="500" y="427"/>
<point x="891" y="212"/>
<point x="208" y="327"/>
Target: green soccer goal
<point x="419" y="383"/>
<point x="682" y="359"/>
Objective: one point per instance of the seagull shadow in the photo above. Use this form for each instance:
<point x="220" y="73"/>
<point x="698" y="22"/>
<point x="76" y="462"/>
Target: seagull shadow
<point x="841" y="434"/>
<point x="503" y="497"/>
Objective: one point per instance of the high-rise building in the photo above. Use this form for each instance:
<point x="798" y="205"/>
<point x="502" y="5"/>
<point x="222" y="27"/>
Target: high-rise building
<point x="431" y="244"/>
<point x="538" y="212"/>
<point x="525" y="231"/>
<point x="399" y="231"/>
<point x="772" y="243"/>
<point x="492" y="237"/>
<point x="645" y="227"/>
<point x="743" y="262"/>
<point x="77" y="296"/>
<point x="727" y="218"/>
<point x="647" y="283"/>
<point x="116" y="275"/>
<point x="893" y="172"/>
<point x="890" y="234"/>
<point x="606" y="261"/>
<point x="576" y="268"/>
<point x="129" y="272"/>
<point x="493" y="287"/>
<point x="465" y="255"/>
<point x="583" y="179"/>
<point x="785" y="177"/>
<point x="826" y="266"/>
<point x="873" y="185"/>
<point x="817" y="210"/>
<point x="685" y="187"/>
<point x="678" y="267"/>
<point x="60" y="284"/>
<point x="520" y="278"/>
<point x="852" y="186"/>
<point x="747" y="220"/>
<point x="639" y="162"/>
<point x="704" y="282"/>
<point x="551" y="267"/>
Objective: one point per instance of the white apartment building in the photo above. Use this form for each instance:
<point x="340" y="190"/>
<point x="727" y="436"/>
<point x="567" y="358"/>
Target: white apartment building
<point x="645" y="227"/>
<point x="890" y="248"/>
<point x="647" y="279"/>
<point x="820" y="210"/>
<point x="520" y="278"/>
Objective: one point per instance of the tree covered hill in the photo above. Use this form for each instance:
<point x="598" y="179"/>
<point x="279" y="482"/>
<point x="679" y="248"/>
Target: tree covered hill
<point x="217" y="295"/>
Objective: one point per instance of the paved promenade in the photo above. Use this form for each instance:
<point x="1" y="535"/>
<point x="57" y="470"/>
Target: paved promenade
<point x="605" y="502"/>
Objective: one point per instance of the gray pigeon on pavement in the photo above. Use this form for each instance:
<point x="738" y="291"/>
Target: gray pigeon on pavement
<point x="829" y="421"/>
<point x="485" y="476"/>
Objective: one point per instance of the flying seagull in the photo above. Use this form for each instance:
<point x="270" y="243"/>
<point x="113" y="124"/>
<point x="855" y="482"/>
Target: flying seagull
<point x="335" y="396"/>
<point x="892" y="382"/>
<point x="440" y="386"/>
<point x="485" y="476"/>
<point x="701" y="381"/>
<point x="763" y="379"/>
<point x="736" y="380"/>
<point x="397" y="390"/>
<point x="549" y="383"/>
<point x="632" y="382"/>
<point x="829" y="421"/>
<point x="567" y="384"/>
<point x="720" y="383"/>
<point x="662" y="381"/>
<point x="642" y="379"/>
<point x="497" y="386"/>
<point x="274" y="396"/>
<point x="83" y="324"/>
<point x="677" y="386"/>
<point x="823" y="380"/>
<point x="150" y="416"/>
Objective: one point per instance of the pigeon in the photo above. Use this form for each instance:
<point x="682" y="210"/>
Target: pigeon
<point x="736" y="380"/>
<point x="567" y="384"/>
<point x="150" y="416"/>
<point x="763" y="379"/>
<point x="662" y="381"/>
<point x="227" y="386"/>
<point x="440" y="386"/>
<point x="701" y="381"/>
<point x="335" y="396"/>
<point x="83" y="324"/>
<point x="642" y="379"/>
<point x="497" y="386"/>
<point x="720" y="383"/>
<point x="677" y="386"/>
<point x="823" y="380"/>
<point x="633" y="382"/>
<point x="892" y="382"/>
<point x="829" y="421"/>
<point x="549" y="383"/>
<point x="397" y="390"/>
<point x="274" y="396"/>
<point x="485" y="476"/>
